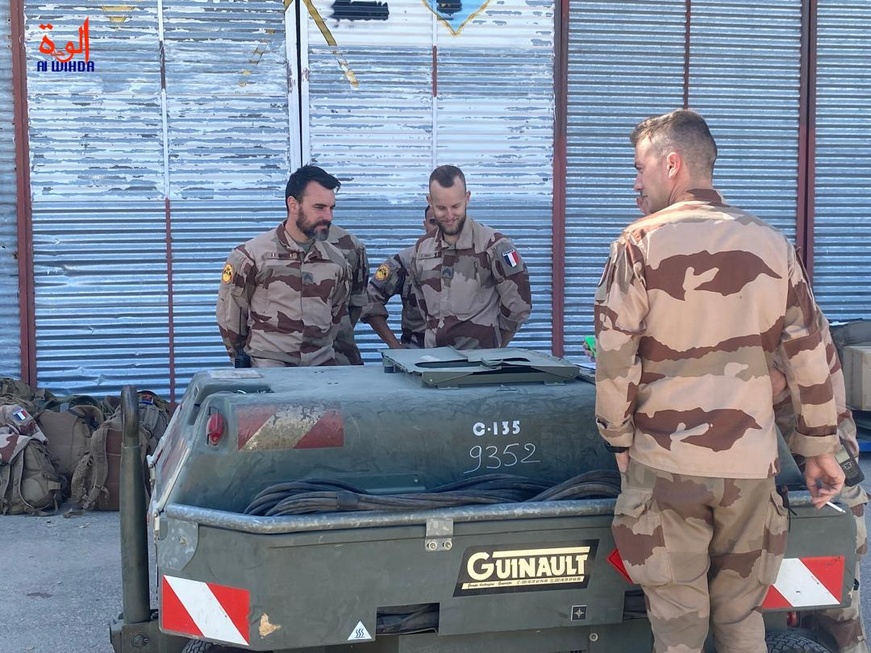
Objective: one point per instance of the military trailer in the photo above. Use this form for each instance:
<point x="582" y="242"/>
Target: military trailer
<point x="447" y="501"/>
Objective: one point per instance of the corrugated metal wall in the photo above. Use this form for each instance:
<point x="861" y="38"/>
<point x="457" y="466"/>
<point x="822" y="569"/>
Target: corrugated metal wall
<point x="10" y="341"/>
<point x="492" y="115"/>
<point x="97" y="182"/>
<point x="627" y="62"/>
<point x="145" y="173"/>
<point x="148" y="170"/>
<point x="228" y="128"/>
<point x="842" y="221"/>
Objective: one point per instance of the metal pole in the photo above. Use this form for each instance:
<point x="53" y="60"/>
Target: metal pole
<point x="136" y="594"/>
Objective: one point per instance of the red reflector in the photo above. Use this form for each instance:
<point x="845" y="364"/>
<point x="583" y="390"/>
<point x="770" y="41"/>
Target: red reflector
<point x="792" y="619"/>
<point x="617" y="562"/>
<point x="215" y="428"/>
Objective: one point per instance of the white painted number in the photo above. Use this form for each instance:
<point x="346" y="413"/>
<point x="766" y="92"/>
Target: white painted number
<point x="493" y="457"/>
<point x="505" y="427"/>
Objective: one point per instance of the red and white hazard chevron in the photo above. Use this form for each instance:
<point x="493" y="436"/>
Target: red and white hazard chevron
<point x="207" y="610"/>
<point x="807" y="582"/>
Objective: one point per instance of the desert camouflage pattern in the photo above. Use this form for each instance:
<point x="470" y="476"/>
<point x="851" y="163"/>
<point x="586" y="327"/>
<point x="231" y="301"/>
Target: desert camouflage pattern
<point x="347" y="352"/>
<point x="739" y="526"/>
<point x="471" y="290"/>
<point x="282" y="304"/>
<point x="842" y="625"/>
<point x="692" y="305"/>
<point x="392" y="278"/>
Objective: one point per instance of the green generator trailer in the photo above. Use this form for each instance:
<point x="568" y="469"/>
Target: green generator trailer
<point x="444" y="502"/>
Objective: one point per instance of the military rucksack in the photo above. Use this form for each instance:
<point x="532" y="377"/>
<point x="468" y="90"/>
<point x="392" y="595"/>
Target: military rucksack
<point x="68" y="424"/>
<point x="96" y="479"/>
<point x="29" y="482"/>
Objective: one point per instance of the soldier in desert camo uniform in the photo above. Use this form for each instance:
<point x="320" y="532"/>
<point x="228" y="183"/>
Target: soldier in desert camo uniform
<point x="393" y="278"/>
<point x="283" y="293"/>
<point x="471" y="282"/>
<point x="347" y="352"/>
<point x="841" y="626"/>
<point x="695" y="299"/>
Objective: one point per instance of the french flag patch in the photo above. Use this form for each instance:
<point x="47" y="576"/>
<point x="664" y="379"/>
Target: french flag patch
<point x="512" y="258"/>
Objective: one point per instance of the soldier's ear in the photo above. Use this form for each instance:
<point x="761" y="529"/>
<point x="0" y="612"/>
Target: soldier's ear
<point x="468" y="195"/>
<point x="292" y="204"/>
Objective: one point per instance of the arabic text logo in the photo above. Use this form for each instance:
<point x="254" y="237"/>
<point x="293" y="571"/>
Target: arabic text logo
<point x="64" y="59"/>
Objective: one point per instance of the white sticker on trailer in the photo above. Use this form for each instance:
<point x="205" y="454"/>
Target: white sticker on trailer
<point x="360" y="634"/>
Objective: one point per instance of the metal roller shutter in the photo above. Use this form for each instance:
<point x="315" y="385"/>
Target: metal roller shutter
<point x="627" y="62"/>
<point x="842" y="228"/>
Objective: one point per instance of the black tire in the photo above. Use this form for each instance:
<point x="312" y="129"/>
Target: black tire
<point x="199" y="646"/>
<point x="787" y="642"/>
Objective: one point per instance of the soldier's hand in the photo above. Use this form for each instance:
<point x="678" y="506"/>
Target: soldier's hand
<point x="778" y="381"/>
<point x="824" y="478"/>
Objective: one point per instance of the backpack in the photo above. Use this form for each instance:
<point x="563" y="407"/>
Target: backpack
<point x="29" y="482"/>
<point x="13" y="391"/>
<point x="96" y="479"/>
<point x="68" y="427"/>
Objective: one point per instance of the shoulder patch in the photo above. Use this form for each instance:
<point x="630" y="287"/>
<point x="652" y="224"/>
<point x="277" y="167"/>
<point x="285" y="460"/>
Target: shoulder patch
<point x="227" y="274"/>
<point x="382" y="272"/>
<point x="511" y="258"/>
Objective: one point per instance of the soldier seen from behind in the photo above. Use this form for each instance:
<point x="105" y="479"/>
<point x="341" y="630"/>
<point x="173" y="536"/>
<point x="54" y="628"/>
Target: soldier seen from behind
<point x="393" y="278"/>
<point x="347" y="352"/>
<point x="696" y="298"/>
<point x="283" y="293"/>
<point x="471" y="282"/>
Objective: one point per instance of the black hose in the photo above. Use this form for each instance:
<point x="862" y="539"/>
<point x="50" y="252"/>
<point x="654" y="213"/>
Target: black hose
<point x="324" y="495"/>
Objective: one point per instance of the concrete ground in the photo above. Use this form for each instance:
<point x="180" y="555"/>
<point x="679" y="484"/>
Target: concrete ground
<point x="60" y="581"/>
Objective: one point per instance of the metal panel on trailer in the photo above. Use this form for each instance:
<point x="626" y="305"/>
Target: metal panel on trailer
<point x="372" y="121"/>
<point x="842" y="228"/>
<point x="10" y="341"/>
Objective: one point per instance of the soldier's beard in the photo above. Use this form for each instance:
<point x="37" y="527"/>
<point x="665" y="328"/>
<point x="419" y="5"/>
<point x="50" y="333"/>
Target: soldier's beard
<point x="319" y="230"/>
<point x="454" y="229"/>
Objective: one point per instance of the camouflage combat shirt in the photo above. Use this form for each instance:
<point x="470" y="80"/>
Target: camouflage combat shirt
<point x="785" y="413"/>
<point x="393" y="278"/>
<point x="471" y="290"/>
<point x="347" y="352"/>
<point x="282" y="302"/>
<point x="692" y="305"/>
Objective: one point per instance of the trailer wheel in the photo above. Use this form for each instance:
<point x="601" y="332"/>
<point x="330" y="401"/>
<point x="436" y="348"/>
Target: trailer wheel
<point x="786" y="642"/>
<point x="199" y="646"/>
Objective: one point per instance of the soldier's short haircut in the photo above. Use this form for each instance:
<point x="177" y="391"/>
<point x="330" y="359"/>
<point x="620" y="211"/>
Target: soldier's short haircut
<point x="445" y="176"/>
<point x="683" y="131"/>
<point x="300" y="179"/>
<point x="426" y="210"/>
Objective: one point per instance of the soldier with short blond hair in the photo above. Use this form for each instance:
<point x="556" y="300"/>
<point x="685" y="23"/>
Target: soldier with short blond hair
<point x="696" y="298"/>
<point x="471" y="282"/>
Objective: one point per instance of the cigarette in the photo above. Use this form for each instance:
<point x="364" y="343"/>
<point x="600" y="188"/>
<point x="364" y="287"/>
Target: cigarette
<point x="832" y="505"/>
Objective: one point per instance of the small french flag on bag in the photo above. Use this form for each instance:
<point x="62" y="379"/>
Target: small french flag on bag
<point x="512" y="258"/>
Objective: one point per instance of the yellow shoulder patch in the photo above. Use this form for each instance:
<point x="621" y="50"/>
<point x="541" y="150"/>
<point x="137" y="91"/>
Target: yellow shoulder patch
<point x="382" y="272"/>
<point x="227" y="274"/>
